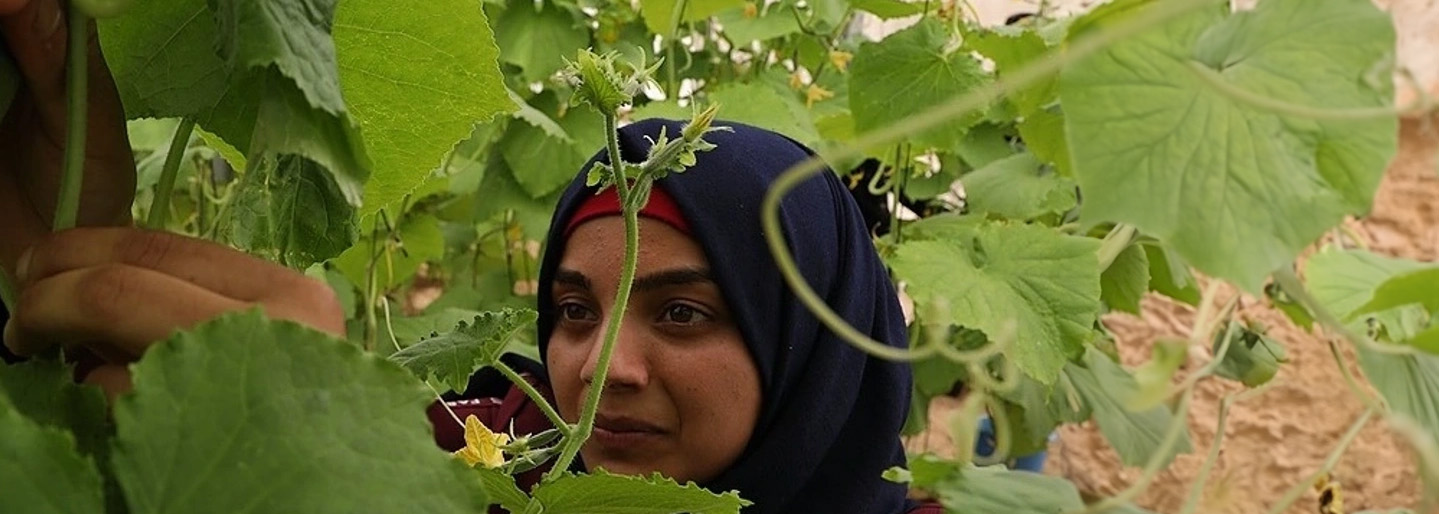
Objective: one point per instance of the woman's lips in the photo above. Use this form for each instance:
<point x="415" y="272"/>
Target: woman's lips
<point x="619" y="432"/>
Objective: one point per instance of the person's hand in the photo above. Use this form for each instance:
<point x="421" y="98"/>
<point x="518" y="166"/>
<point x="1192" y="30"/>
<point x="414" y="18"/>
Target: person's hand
<point x="32" y="132"/>
<point x="117" y="291"/>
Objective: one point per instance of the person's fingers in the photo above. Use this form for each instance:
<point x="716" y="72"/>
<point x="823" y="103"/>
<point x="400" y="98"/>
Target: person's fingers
<point x="113" y="379"/>
<point x="120" y="308"/>
<point x="35" y="33"/>
<point x="208" y="265"/>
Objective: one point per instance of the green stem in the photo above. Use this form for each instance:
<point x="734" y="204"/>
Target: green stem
<point x="535" y="396"/>
<point x="672" y="85"/>
<point x="1114" y="243"/>
<point x="586" y="424"/>
<point x="67" y="209"/>
<point x="1368" y="400"/>
<point x="1329" y="462"/>
<point x="1216" y="81"/>
<point x="1049" y="64"/>
<point x="1197" y="490"/>
<point x="160" y="207"/>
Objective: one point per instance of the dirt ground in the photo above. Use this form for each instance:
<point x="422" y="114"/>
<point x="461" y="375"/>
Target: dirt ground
<point x="1273" y="441"/>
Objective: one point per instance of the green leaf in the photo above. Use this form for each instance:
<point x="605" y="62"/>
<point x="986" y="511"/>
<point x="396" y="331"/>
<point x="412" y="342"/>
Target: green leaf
<point x="41" y="470"/>
<point x="537" y="118"/>
<point x="242" y="414"/>
<point x="1123" y="285"/>
<point x="542" y="163"/>
<point x="1414" y="287"/>
<point x="761" y="106"/>
<point x="1043" y="134"/>
<point x="984" y="144"/>
<point x="777" y="21"/>
<point x="502" y="490"/>
<point x="1019" y="188"/>
<point x="908" y="73"/>
<point x="287" y="44"/>
<point x="421" y="241"/>
<point x="1136" y="436"/>
<point x="417" y="80"/>
<point x="603" y="493"/>
<point x="1252" y="358"/>
<point x="888" y="9"/>
<point x="1011" y="51"/>
<point x="1152" y="379"/>
<point x="290" y="210"/>
<point x="43" y="391"/>
<point x="1032" y="282"/>
<point x="1235" y="189"/>
<point x="538" y="38"/>
<point x="453" y="356"/>
<point x="1169" y="275"/>
<point x="409" y="331"/>
<point x="667" y="109"/>
<point x="658" y="13"/>
<point x="1344" y="281"/>
<point x="1409" y="383"/>
<point x="995" y="489"/>
<point x="1035" y="410"/>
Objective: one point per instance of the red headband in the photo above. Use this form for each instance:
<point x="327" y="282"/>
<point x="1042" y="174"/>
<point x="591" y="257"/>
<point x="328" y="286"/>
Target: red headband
<point x="661" y="207"/>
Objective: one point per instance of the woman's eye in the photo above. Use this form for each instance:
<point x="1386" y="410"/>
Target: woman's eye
<point x="574" y="312"/>
<point x="683" y="314"/>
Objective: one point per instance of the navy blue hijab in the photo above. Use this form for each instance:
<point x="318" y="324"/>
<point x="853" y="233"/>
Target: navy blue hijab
<point x="831" y="415"/>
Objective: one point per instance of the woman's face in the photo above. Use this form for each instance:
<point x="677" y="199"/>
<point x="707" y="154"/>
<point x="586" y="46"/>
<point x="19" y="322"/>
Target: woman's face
<point x="683" y="394"/>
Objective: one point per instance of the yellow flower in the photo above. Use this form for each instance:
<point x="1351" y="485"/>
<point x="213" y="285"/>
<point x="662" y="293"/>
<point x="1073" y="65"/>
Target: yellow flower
<point x="815" y="94"/>
<point x="481" y="445"/>
<point x="751" y="11"/>
<point x="840" y="59"/>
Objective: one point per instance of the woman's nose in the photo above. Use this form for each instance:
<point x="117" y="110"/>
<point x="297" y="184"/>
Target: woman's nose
<point x="628" y="364"/>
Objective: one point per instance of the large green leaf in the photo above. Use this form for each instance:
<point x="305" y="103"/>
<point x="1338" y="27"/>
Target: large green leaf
<point x="543" y="163"/>
<point x="247" y="415"/>
<point x="999" y="490"/>
<point x="658" y="13"/>
<point x="889" y="9"/>
<point x="453" y="356"/>
<point x="290" y="211"/>
<point x="1136" y="436"/>
<point x="1011" y="50"/>
<point x="759" y="105"/>
<point x="41" y="470"/>
<point x="1019" y="188"/>
<point x="538" y="38"/>
<point x="1236" y="189"/>
<point x="908" y="73"/>
<point x="603" y="493"/>
<point x="1169" y="275"/>
<point x="417" y="79"/>
<point x="1414" y="287"/>
<point x="777" y="21"/>
<point x="1123" y="285"/>
<point x="301" y="110"/>
<point x="1030" y="282"/>
<point x="43" y="390"/>
<point x="1345" y="280"/>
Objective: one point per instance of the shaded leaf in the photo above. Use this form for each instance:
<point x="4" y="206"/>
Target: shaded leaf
<point x="995" y="489"/>
<point x="1136" y="436"/>
<point x="41" y="470"/>
<point x="538" y="38"/>
<point x="453" y="356"/>
<point x="888" y="9"/>
<point x="603" y="493"/>
<point x="242" y="414"/>
<point x="1126" y="280"/>
<point x="1018" y="188"/>
<point x="908" y="73"/>
<point x="290" y="210"/>
<point x="658" y="14"/>
<point x="1034" y="283"/>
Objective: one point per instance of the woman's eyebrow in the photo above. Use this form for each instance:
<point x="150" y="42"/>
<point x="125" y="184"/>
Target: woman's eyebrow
<point x="674" y="277"/>
<point x="572" y="278"/>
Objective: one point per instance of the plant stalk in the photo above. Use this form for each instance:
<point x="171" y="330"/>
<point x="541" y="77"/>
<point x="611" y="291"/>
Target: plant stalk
<point x="1177" y="426"/>
<point x="672" y="88"/>
<point x="535" y="396"/>
<point x="67" y="209"/>
<point x="586" y="425"/>
<point x="1114" y="244"/>
<point x="1329" y="462"/>
<point x="160" y="207"/>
